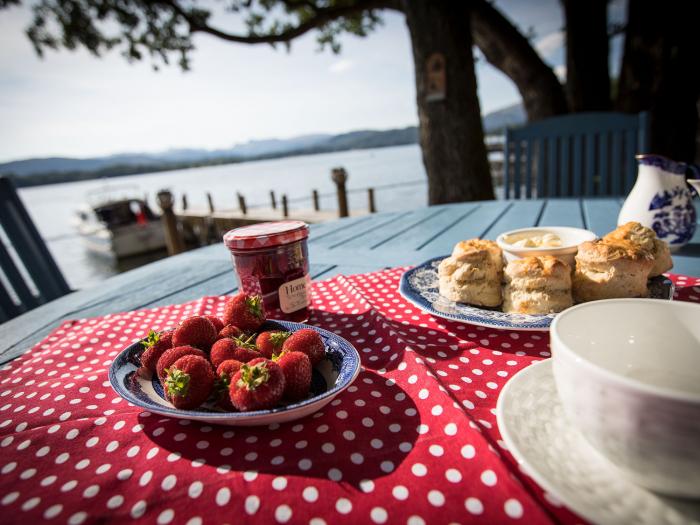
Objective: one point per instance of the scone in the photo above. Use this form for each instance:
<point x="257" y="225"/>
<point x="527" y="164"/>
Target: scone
<point x="537" y="285"/>
<point x="473" y="273"/>
<point x="608" y="269"/>
<point x="646" y="238"/>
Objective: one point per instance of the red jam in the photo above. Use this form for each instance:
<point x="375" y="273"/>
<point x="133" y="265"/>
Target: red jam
<point x="271" y="259"/>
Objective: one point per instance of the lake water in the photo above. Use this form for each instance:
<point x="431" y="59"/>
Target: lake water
<point x="52" y="206"/>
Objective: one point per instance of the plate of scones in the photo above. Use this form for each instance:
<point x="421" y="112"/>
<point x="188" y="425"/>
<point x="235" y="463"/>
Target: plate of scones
<point x="480" y="285"/>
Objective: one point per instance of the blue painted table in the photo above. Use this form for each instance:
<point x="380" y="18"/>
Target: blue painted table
<point x="346" y="246"/>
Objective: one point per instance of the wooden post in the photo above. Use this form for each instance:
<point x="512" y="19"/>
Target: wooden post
<point x="273" y="199"/>
<point x="173" y="240"/>
<point x="340" y="177"/>
<point x="314" y="196"/>
<point x="241" y="204"/>
<point x="184" y="201"/>
<point x="211" y="203"/>
<point x="370" y="200"/>
<point x="285" y="208"/>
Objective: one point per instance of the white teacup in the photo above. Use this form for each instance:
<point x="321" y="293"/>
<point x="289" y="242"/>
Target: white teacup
<point x="628" y="375"/>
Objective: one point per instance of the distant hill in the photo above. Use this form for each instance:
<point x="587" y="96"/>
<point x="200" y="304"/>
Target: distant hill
<point x="31" y="172"/>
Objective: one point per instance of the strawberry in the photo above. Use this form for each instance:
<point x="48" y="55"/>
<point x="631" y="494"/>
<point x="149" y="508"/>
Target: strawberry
<point x="245" y="311"/>
<point x="308" y="342"/>
<point x="240" y="349"/>
<point x="173" y="354"/>
<point x="195" y="331"/>
<point x="258" y="385"/>
<point x="154" y="346"/>
<point x="224" y="373"/>
<point x="229" y="331"/>
<point x="189" y="381"/>
<point x="218" y="323"/>
<point x="270" y="343"/>
<point x="297" y="374"/>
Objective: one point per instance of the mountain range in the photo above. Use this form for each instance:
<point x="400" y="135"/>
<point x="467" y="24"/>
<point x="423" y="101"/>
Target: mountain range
<point x="34" y="171"/>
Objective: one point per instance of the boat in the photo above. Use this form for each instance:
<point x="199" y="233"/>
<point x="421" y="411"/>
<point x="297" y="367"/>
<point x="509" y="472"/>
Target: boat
<point x="115" y="222"/>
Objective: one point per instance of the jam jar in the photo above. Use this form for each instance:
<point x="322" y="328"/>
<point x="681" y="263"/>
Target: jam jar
<point x="271" y="260"/>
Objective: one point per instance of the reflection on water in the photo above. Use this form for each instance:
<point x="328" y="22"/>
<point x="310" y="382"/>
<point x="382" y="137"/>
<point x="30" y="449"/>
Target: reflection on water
<point x="52" y="206"/>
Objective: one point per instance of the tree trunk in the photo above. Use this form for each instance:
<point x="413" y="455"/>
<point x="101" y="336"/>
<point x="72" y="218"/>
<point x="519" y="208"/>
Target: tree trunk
<point x="451" y="133"/>
<point x="587" y="70"/>
<point x="509" y="51"/>
<point x="660" y="74"/>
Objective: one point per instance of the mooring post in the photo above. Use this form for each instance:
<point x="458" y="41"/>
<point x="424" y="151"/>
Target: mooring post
<point x="340" y="177"/>
<point x="173" y="240"/>
<point x="285" y="207"/>
<point x="241" y="204"/>
<point x="370" y="200"/>
<point x="314" y="197"/>
<point x="273" y="199"/>
<point x="184" y="201"/>
<point x="211" y="202"/>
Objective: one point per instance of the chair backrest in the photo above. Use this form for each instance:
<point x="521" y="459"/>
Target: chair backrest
<point x="28" y="274"/>
<point x="574" y="155"/>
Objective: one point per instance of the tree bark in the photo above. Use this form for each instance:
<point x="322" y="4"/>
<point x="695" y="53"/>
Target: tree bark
<point x="587" y="70"/>
<point x="451" y="132"/>
<point x="660" y="74"/>
<point x="509" y="51"/>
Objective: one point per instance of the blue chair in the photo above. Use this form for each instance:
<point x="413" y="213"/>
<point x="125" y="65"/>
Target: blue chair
<point x="28" y="274"/>
<point x="575" y="155"/>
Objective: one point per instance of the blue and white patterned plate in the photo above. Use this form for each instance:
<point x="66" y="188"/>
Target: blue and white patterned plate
<point x="330" y="377"/>
<point x="420" y="286"/>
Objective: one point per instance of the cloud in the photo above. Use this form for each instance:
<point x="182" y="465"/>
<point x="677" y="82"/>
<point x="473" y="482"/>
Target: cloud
<point x="550" y="43"/>
<point x="341" y="66"/>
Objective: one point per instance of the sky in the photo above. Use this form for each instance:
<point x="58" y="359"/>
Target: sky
<point x="73" y="104"/>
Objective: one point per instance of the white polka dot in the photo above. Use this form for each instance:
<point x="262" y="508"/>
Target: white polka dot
<point x="310" y="494"/>
<point x="436" y="450"/>
<point x="283" y="513"/>
<point x="30" y="503"/>
<point x="419" y="469"/>
<point x="488" y="478"/>
<point x="335" y="474"/>
<point x="252" y="504"/>
<point x="9" y="467"/>
<point x="146" y="478"/>
<point x="468" y="451"/>
<point x="139" y="509"/>
<point x="436" y="498"/>
<point x="378" y="515"/>
<point x="474" y="505"/>
<point x="279" y="483"/>
<point x="453" y="475"/>
<point x="194" y="520"/>
<point x="387" y="466"/>
<point x="513" y="508"/>
<point x="165" y="517"/>
<point x="223" y="496"/>
<point x="124" y="474"/>
<point x="169" y="482"/>
<point x="415" y="520"/>
<point x="53" y="511"/>
<point x="77" y="518"/>
<point x="195" y="489"/>
<point x="115" y="501"/>
<point x="91" y="491"/>
<point x="9" y="498"/>
<point x="305" y="464"/>
<point x="450" y="429"/>
<point x="343" y="505"/>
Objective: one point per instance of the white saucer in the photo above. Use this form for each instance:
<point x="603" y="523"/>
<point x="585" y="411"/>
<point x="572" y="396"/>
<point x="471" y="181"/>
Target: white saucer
<point x="555" y="455"/>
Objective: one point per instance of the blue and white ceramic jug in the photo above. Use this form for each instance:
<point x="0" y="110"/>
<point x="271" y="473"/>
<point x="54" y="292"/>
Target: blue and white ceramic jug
<point x="661" y="200"/>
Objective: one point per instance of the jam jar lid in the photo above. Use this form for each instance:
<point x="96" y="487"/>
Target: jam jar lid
<point x="266" y="235"/>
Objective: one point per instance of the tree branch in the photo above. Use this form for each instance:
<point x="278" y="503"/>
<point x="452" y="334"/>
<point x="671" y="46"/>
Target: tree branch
<point x="321" y="17"/>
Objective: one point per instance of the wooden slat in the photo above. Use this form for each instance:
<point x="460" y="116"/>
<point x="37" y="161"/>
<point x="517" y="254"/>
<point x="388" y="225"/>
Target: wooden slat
<point x="617" y="177"/>
<point x="564" y="172"/>
<point x="375" y="237"/>
<point x="16" y="280"/>
<point x="577" y="164"/>
<point x="539" y="188"/>
<point x="353" y="230"/>
<point x="517" y="167"/>
<point x="324" y="228"/>
<point x="474" y="225"/>
<point x="591" y="170"/>
<point x="631" y="165"/>
<point x="521" y="214"/>
<point x="422" y="233"/>
<point x="600" y="215"/>
<point x="604" y="163"/>
<point x="562" y="212"/>
<point x="528" y="171"/>
<point x="8" y="308"/>
<point x="552" y="171"/>
<point x="506" y="164"/>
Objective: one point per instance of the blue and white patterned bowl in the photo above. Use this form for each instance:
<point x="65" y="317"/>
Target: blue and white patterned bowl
<point x="330" y="377"/>
<point x="420" y="286"/>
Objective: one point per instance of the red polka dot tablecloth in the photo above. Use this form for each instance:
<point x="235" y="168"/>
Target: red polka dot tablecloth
<point x="414" y="440"/>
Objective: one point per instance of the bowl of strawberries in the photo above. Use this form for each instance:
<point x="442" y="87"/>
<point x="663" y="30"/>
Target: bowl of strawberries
<point x="242" y="369"/>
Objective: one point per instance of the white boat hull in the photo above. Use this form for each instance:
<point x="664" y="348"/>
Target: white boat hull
<point x="125" y="241"/>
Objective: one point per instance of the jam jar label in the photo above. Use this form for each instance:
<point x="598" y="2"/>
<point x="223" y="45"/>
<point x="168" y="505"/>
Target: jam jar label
<point x="295" y="295"/>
